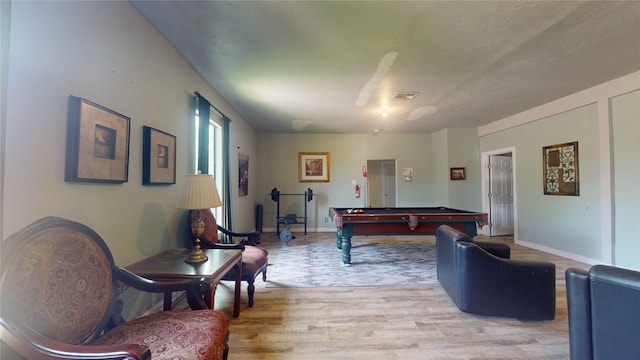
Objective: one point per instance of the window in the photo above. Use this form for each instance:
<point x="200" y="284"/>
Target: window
<point x="215" y="157"/>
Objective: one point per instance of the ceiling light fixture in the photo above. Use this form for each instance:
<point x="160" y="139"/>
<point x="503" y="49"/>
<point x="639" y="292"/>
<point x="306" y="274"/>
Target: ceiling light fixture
<point x="406" y="96"/>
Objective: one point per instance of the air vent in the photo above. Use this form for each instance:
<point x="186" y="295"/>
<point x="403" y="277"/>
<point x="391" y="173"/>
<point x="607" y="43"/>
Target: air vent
<point x="407" y="96"/>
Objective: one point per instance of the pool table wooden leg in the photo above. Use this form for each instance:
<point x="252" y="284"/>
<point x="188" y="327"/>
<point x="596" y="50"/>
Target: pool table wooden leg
<point x="346" y="249"/>
<point x="339" y="239"/>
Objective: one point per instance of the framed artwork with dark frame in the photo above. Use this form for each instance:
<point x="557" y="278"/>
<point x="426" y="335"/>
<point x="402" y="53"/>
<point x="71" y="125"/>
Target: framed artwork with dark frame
<point x="97" y="143"/>
<point x="457" y="173"/>
<point x="243" y="174"/>
<point x="560" y="169"/>
<point x="313" y="167"/>
<point x="158" y="157"/>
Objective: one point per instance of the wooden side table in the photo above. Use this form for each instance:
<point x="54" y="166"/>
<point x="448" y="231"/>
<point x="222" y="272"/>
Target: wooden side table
<point x="169" y="265"/>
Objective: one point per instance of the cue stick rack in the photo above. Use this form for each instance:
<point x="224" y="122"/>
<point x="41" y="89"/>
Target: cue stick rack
<point x="275" y="196"/>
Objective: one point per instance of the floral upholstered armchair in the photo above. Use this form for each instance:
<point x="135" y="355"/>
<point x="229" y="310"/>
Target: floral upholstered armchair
<point x="59" y="292"/>
<point x="255" y="259"/>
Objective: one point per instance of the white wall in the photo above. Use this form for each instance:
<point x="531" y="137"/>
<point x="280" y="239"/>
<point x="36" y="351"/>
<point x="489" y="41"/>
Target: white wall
<point x="242" y="140"/>
<point x="429" y="155"/>
<point x="107" y="53"/>
<point x="440" y="167"/>
<point x="625" y="114"/>
<point x="456" y="148"/>
<point x="580" y="227"/>
<point x="463" y="149"/>
<point x="561" y="222"/>
<point x="278" y="167"/>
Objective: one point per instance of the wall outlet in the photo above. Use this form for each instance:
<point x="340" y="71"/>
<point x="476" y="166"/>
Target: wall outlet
<point x="326" y="219"/>
<point x="354" y="182"/>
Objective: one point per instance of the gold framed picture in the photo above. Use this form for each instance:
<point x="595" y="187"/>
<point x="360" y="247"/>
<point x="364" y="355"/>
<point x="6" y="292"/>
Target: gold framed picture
<point x="97" y="143"/>
<point x="313" y="167"/>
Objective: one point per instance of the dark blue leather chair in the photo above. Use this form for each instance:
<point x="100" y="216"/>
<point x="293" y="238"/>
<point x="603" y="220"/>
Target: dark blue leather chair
<point x="604" y="313"/>
<point x="481" y="283"/>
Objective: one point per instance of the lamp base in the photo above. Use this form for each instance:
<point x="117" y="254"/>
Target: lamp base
<point x="196" y="256"/>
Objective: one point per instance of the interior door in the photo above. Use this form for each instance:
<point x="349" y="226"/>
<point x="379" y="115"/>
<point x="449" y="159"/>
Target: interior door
<point x="501" y="195"/>
<point x="381" y="183"/>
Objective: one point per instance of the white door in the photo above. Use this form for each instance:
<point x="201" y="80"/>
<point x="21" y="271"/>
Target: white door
<point x="381" y="183"/>
<point x="501" y="195"/>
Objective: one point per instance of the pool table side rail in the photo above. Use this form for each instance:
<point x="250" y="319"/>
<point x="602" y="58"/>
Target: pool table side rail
<point x="339" y="219"/>
<point x="407" y="224"/>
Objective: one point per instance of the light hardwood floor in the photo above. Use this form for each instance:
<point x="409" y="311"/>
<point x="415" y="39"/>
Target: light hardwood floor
<point x="390" y="322"/>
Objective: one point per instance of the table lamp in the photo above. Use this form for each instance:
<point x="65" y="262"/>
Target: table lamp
<point x="199" y="192"/>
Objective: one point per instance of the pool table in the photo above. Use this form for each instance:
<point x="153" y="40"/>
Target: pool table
<point x="399" y="221"/>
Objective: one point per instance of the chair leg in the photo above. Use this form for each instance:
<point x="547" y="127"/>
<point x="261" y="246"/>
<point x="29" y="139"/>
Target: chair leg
<point x="250" y="291"/>
<point x="251" y="288"/>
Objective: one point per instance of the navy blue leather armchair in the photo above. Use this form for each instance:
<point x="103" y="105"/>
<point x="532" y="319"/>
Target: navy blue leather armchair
<point x="479" y="282"/>
<point x="604" y="313"/>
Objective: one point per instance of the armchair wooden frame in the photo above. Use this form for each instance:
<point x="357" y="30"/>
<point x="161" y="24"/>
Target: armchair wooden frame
<point x="254" y="258"/>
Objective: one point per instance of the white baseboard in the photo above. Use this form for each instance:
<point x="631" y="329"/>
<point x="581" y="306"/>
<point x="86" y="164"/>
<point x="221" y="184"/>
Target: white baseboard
<point x="564" y="254"/>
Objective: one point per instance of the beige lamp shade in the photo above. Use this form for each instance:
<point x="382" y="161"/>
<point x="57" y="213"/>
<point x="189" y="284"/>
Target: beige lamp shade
<point x="198" y="192"/>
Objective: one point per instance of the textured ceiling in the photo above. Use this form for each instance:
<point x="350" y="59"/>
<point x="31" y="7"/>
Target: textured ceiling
<point x="332" y="66"/>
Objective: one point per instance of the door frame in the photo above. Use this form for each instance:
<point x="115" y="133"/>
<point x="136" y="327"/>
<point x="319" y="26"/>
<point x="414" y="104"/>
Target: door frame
<point x="486" y="187"/>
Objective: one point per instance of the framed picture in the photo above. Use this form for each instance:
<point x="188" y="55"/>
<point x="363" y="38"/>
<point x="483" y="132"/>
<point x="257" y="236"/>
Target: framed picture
<point x="560" y="169"/>
<point x="97" y="143"/>
<point x="158" y="157"/>
<point x="313" y="167"/>
<point x="243" y="174"/>
<point x="457" y="173"/>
